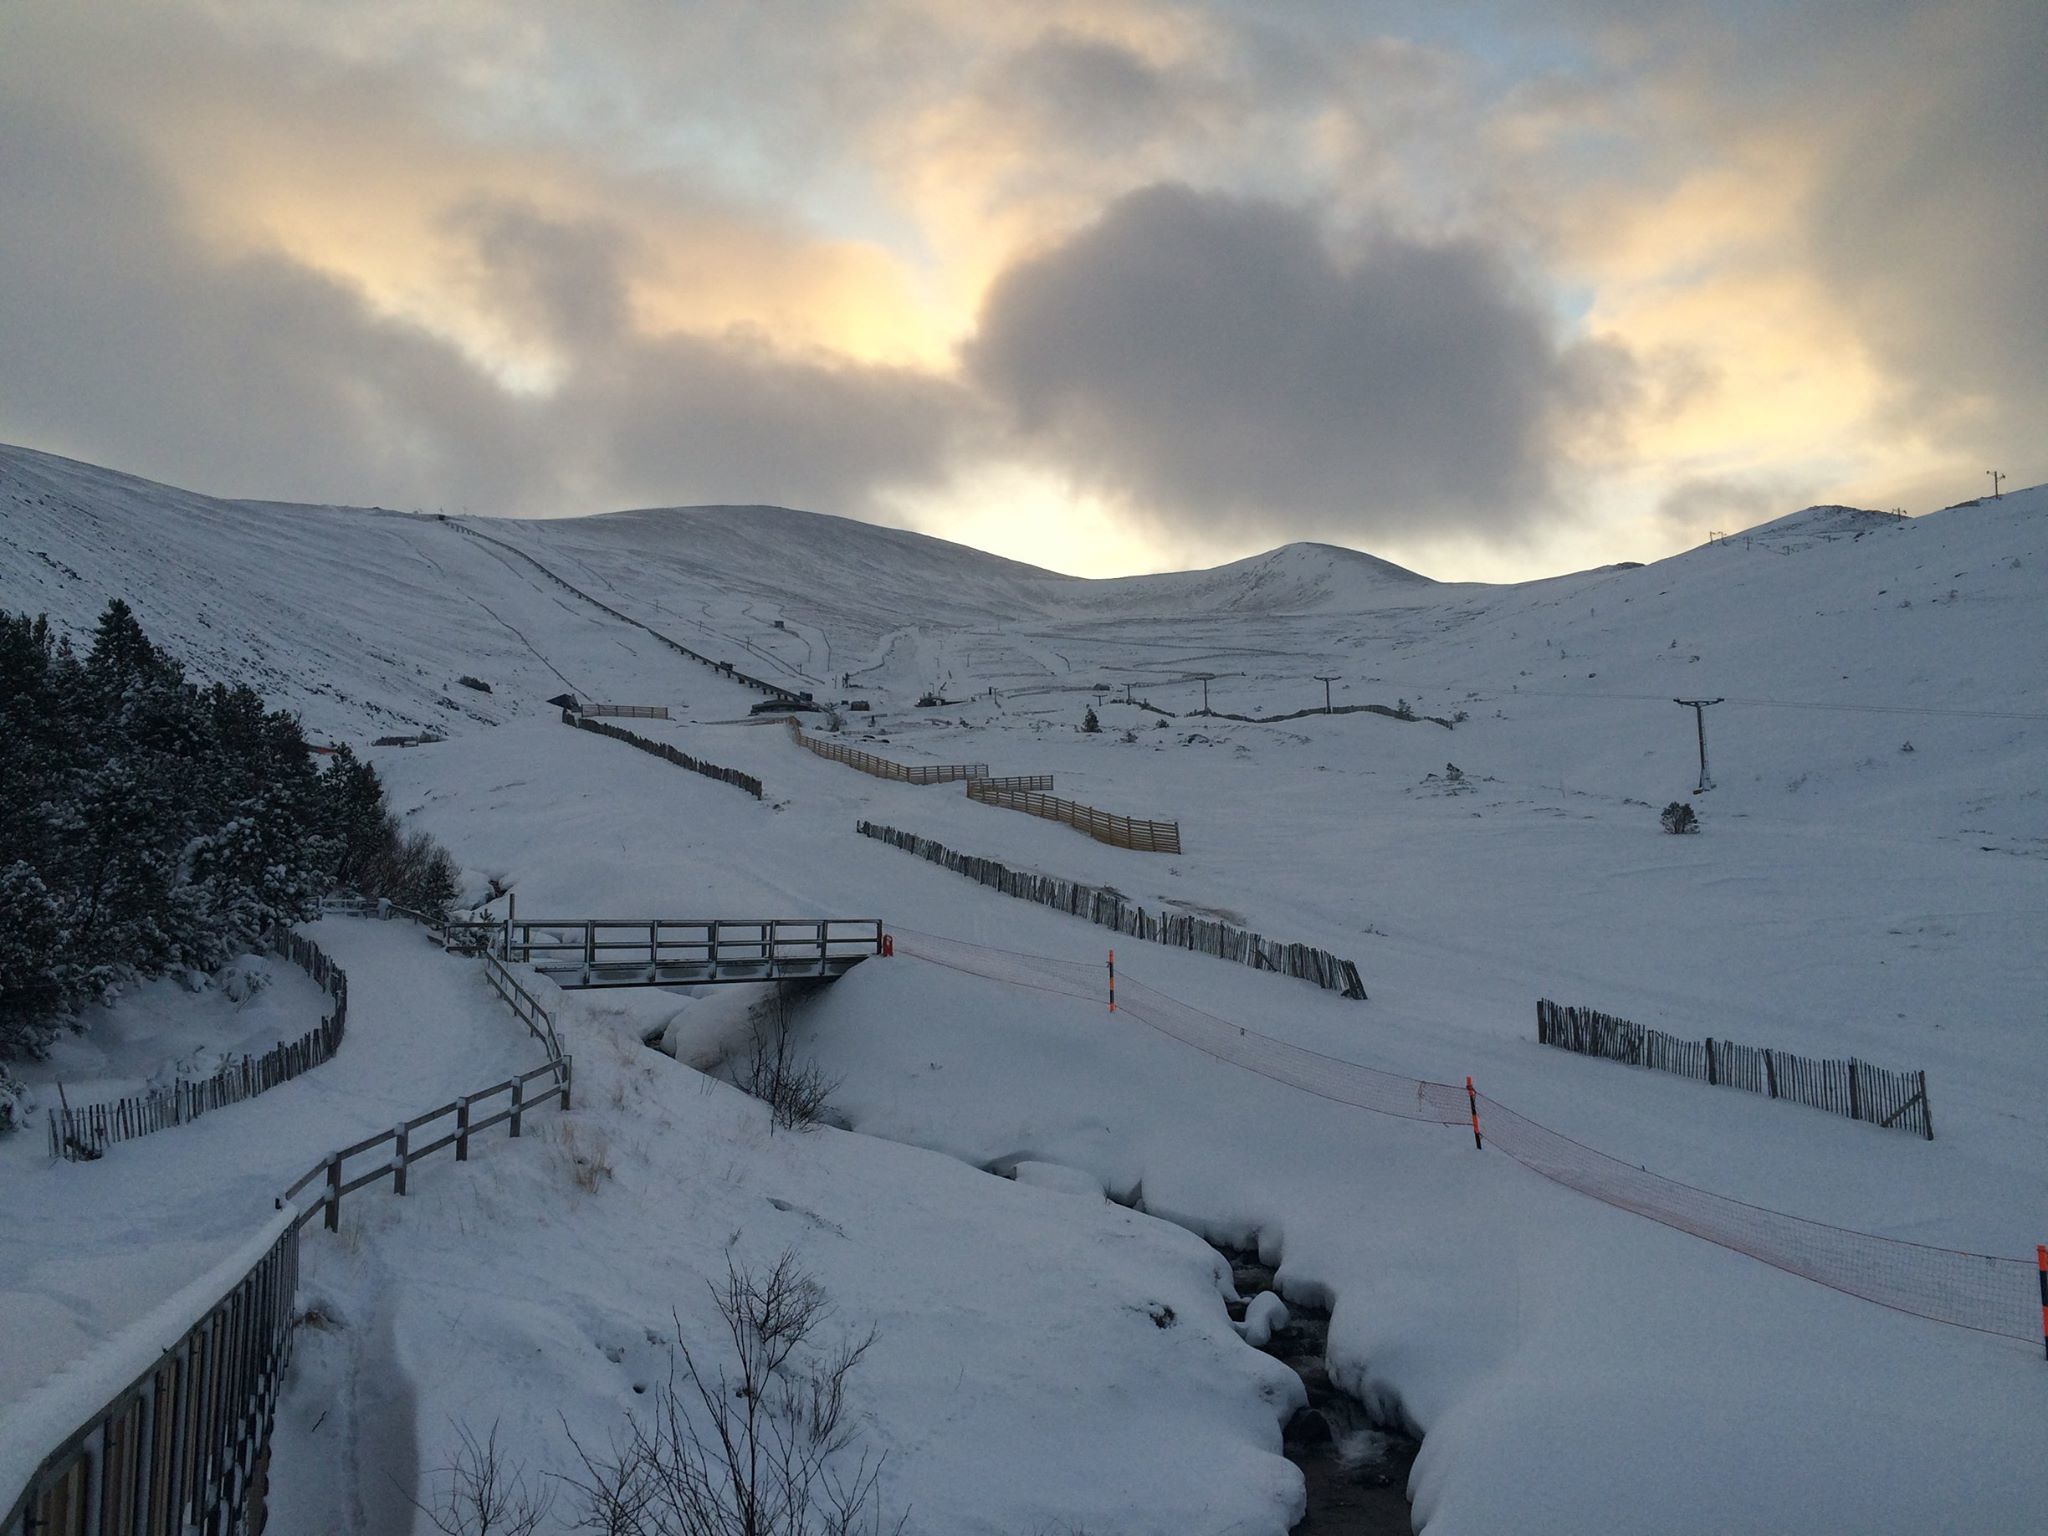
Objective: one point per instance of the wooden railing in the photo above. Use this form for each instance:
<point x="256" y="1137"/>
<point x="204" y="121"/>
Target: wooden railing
<point x="368" y="1162"/>
<point x="1123" y="831"/>
<point x="711" y="942"/>
<point x="882" y="768"/>
<point x="629" y="711"/>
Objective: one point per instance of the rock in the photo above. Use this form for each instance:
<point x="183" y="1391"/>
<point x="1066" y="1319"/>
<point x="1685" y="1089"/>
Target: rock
<point x="1265" y="1316"/>
<point x="1307" y="1427"/>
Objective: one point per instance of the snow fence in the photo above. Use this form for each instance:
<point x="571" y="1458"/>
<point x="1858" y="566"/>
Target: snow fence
<point x="1108" y="909"/>
<point x="663" y="750"/>
<point x="85" y="1132"/>
<point x="1849" y="1086"/>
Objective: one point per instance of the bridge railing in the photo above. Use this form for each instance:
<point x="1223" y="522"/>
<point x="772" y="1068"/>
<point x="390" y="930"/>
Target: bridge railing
<point x="594" y="942"/>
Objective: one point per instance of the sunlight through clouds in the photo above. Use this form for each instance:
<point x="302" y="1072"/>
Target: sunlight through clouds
<point x="689" y="254"/>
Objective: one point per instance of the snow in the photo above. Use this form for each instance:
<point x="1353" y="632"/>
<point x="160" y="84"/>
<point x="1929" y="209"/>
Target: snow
<point x="1264" y="1315"/>
<point x="1572" y="1366"/>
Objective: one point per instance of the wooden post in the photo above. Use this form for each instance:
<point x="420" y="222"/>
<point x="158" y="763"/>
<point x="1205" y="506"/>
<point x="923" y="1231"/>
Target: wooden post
<point x="1855" y="1098"/>
<point x="1711" y="1078"/>
<point x="1926" y="1109"/>
<point x="1472" y="1099"/>
<point x="333" y="1219"/>
<point x="1770" y="1072"/>
<point x="518" y="1103"/>
<point x="568" y="1070"/>
<point x="398" y="1164"/>
<point x="462" y="1129"/>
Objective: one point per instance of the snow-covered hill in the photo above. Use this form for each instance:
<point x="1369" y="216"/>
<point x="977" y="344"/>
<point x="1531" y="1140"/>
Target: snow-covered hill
<point x="1873" y="879"/>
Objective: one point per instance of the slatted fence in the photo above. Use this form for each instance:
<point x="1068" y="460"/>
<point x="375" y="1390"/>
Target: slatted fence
<point x="723" y="668"/>
<point x="1108" y="909"/>
<point x="185" y="1445"/>
<point x="882" y="768"/>
<point x="1122" y="831"/>
<point x="663" y="750"/>
<point x="629" y="711"/>
<point x="86" y="1131"/>
<point x="1849" y="1087"/>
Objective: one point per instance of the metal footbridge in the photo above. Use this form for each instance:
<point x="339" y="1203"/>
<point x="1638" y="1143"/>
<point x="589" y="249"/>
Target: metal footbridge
<point x="674" y="952"/>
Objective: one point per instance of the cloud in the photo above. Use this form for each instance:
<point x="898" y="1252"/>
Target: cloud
<point x="127" y="339"/>
<point x="1213" y="361"/>
<point x="1927" y="218"/>
<point x="1707" y="504"/>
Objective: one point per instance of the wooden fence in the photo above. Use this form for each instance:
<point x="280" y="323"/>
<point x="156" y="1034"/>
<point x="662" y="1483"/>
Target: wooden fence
<point x="882" y="768"/>
<point x="629" y="711"/>
<point x="723" y="668"/>
<point x="1123" y="831"/>
<point x="1895" y="1100"/>
<point x="1108" y="909"/>
<point x="185" y="1445"/>
<point x="85" y="1132"/>
<point x="662" y="749"/>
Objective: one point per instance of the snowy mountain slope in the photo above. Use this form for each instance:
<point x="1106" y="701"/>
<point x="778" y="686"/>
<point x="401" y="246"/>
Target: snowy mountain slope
<point x="1847" y="896"/>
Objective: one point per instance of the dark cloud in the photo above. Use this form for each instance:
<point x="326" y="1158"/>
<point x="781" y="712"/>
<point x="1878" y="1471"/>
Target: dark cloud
<point x="1707" y="504"/>
<point x="731" y="420"/>
<point x="1095" y="92"/>
<point x="1211" y="360"/>
<point x="560" y="278"/>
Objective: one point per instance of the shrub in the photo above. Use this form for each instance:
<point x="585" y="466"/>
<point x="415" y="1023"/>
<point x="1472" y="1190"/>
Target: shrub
<point x="797" y="1093"/>
<point x="1679" y="817"/>
<point x="761" y="1447"/>
<point x="13" y="1102"/>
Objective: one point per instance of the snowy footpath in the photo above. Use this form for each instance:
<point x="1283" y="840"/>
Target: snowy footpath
<point x="91" y="1246"/>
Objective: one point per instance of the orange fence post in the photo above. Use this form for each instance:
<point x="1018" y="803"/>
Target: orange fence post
<point x="888" y="945"/>
<point x="1112" y="981"/>
<point x="1473" y="1099"/>
<point x="2041" y="1262"/>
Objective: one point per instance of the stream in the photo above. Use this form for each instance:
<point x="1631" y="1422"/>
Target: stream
<point x="1356" y="1470"/>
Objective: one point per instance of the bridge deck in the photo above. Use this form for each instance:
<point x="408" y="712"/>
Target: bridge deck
<point x="687" y="973"/>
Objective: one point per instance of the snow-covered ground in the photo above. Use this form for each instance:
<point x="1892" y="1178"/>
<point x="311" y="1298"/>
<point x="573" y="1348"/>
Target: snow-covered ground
<point x="1574" y="1367"/>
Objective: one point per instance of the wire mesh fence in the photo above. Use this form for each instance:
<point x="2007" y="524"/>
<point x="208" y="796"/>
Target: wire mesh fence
<point x="1984" y="1292"/>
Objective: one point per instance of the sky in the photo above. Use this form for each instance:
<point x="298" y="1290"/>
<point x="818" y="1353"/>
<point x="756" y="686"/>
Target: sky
<point x="1492" y="290"/>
